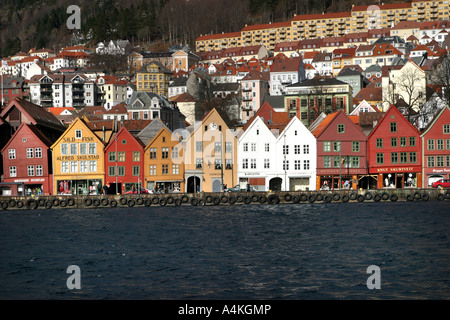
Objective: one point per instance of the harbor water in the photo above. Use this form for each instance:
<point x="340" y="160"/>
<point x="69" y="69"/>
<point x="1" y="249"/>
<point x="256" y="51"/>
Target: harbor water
<point x="285" y="251"/>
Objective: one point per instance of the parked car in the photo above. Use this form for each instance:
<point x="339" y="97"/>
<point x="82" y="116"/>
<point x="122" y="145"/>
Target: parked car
<point x="143" y="191"/>
<point x="443" y="183"/>
<point x="237" y="188"/>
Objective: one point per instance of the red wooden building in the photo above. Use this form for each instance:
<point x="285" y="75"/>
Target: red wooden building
<point x="124" y="163"/>
<point x="27" y="163"/>
<point x="341" y="153"/>
<point x="436" y="148"/>
<point x="395" y="152"/>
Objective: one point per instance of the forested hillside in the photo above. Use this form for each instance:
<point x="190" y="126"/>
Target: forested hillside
<point x="25" y="24"/>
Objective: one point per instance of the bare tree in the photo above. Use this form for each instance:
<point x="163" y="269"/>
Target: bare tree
<point x="440" y="75"/>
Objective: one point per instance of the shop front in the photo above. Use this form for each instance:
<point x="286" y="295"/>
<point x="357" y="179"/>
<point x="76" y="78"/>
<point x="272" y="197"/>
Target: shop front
<point x="435" y="174"/>
<point x="401" y="177"/>
<point x="165" y="186"/>
<point x="257" y="182"/>
<point x="28" y="186"/>
<point x="79" y="187"/>
<point x="335" y="179"/>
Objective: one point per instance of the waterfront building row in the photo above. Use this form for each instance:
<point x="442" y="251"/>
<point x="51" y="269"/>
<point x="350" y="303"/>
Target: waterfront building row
<point x="273" y="151"/>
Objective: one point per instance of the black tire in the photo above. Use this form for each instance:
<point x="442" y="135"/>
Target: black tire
<point x="209" y="199"/>
<point x="32" y="204"/>
<point x="87" y="202"/>
<point x="311" y="198"/>
<point x="194" y="201"/>
<point x="336" y="196"/>
<point x="231" y="200"/>
<point x="148" y="202"/>
<point x="19" y="204"/>
<point x="63" y="203"/>
<point x="201" y="202"/>
<point x="393" y="197"/>
<point x="385" y="196"/>
<point x="139" y="201"/>
<point x="177" y="202"/>
<point x="440" y="197"/>
<point x="319" y="197"/>
<point x="185" y="198"/>
<point x="131" y="203"/>
<point x="360" y="198"/>
<point x="353" y="195"/>
<point x="273" y="199"/>
<point x="155" y="200"/>
<point x="327" y="198"/>
<point x="239" y="198"/>
<point x="48" y="204"/>
<point x="4" y="205"/>
<point x="96" y="202"/>
<point x="41" y="202"/>
<point x="262" y="199"/>
<point x="247" y="200"/>
<point x="303" y="197"/>
<point x="409" y="197"/>
<point x="170" y="200"/>
<point x="368" y="195"/>
<point x="162" y="202"/>
<point x="295" y="199"/>
<point x="345" y="198"/>
<point x="55" y="202"/>
<point x="224" y="199"/>
<point x="417" y="195"/>
<point x="104" y="202"/>
<point x="255" y="198"/>
<point x="288" y="197"/>
<point x="376" y="198"/>
<point x="12" y="203"/>
<point x="123" y="201"/>
<point x="425" y="197"/>
<point x="71" y="202"/>
<point x="447" y="195"/>
<point x="113" y="203"/>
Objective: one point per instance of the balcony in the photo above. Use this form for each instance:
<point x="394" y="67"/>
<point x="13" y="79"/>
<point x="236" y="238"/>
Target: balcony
<point x="433" y="5"/>
<point x="46" y="97"/>
<point x="246" y="89"/>
<point x="247" y="98"/>
<point x="247" y="108"/>
<point x="77" y="88"/>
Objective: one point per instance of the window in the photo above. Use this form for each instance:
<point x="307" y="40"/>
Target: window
<point x="228" y="147"/>
<point x="93" y="166"/>
<point x="92" y="148"/>
<point x="136" y="156"/>
<point x="306" y="149"/>
<point x="440" y="144"/>
<point x="393" y="142"/>
<point x="394" y="157"/>
<point x="121" y="156"/>
<point x="73" y="166"/>
<point x="78" y="134"/>
<point x="266" y="164"/>
<point x="337" y="162"/>
<point x="380" y="158"/>
<point x="12" y="153"/>
<point x="327" y="146"/>
<point x="431" y="144"/>
<point x="218" y="147"/>
<point x="218" y="164"/>
<point x="393" y="126"/>
<point x="355" y="146"/>
<point x="244" y="163"/>
<point x="228" y="164"/>
<point x="327" y="162"/>
<point x="402" y="141"/>
<point x="285" y="149"/>
<point x="341" y="128"/>
<point x="111" y="171"/>
<point x="285" y="164"/>
<point x="136" y="170"/>
<point x="165" y="153"/>
<point x="152" y="153"/>
<point x="403" y="157"/>
<point x="412" y="141"/>
<point x="446" y="128"/>
<point x="73" y="149"/>
<point x="152" y="171"/>
<point x="83" y="166"/>
<point x="64" y="167"/>
<point x="430" y="162"/>
<point x="198" y="146"/>
<point x="297" y="165"/>
<point x="267" y="147"/>
<point x="175" y="169"/>
<point x="112" y="156"/>
<point x="447" y="142"/>
<point x="439" y="161"/>
<point x="336" y="146"/>
<point x="39" y="170"/>
<point x="252" y="163"/>
<point x="13" y="171"/>
<point x="253" y="147"/>
<point x="64" y="149"/>
<point x="83" y="148"/>
<point x="306" y="165"/>
<point x="30" y="153"/>
<point x="121" y="171"/>
<point x="38" y="152"/>
<point x="412" y="157"/>
<point x="355" y="162"/>
<point x="297" y="149"/>
<point x="379" y="143"/>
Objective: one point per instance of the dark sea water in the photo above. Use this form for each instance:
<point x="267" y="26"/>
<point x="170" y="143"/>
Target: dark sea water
<point x="306" y="251"/>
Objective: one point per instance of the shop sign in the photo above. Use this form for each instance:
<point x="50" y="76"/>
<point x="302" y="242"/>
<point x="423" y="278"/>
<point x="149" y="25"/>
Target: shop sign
<point x="443" y="170"/>
<point x="397" y="169"/>
<point x="30" y="180"/>
<point x="80" y="157"/>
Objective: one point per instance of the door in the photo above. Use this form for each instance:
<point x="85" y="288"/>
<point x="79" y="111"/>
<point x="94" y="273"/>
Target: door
<point x="216" y="185"/>
<point x="275" y="184"/>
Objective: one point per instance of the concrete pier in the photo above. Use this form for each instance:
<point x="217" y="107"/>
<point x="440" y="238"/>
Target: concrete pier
<point x="231" y="198"/>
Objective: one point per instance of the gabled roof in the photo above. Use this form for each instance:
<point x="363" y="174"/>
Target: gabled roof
<point x="150" y="131"/>
<point x="34" y="130"/>
<point x="77" y="120"/>
<point x="273" y="119"/>
<point x="123" y="130"/>
<point x="435" y="118"/>
<point x="324" y="124"/>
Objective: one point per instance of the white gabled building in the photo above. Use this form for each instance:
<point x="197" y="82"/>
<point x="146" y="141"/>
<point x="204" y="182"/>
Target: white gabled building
<point x="272" y="161"/>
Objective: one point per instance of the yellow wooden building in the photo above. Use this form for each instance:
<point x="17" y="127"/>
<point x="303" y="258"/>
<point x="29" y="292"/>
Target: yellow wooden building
<point x="210" y="155"/>
<point x="154" y="77"/>
<point x="78" y="161"/>
<point x="163" y="163"/>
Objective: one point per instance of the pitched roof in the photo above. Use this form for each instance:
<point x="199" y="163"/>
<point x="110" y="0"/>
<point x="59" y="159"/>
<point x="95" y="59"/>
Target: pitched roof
<point x="324" y="124"/>
<point x="286" y="65"/>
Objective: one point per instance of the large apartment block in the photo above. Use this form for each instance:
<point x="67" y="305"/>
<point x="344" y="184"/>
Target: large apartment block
<point x="311" y="26"/>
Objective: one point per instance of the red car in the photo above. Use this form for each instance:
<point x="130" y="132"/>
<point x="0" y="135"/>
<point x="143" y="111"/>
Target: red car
<point x="443" y="183"/>
<point x="143" y="191"/>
